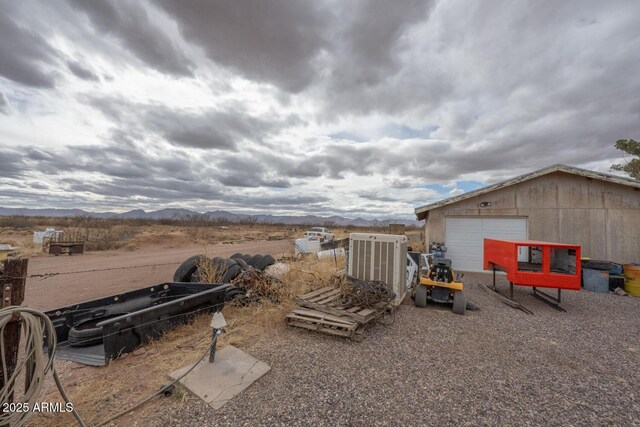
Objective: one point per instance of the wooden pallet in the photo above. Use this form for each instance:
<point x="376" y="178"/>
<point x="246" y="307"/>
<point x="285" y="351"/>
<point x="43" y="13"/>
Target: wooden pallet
<point x="327" y="300"/>
<point x="323" y="311"/>
<point x="326" y="323"/>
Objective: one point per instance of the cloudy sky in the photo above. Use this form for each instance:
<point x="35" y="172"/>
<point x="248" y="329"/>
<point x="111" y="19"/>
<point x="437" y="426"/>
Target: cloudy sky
<point x="357" y="108"/>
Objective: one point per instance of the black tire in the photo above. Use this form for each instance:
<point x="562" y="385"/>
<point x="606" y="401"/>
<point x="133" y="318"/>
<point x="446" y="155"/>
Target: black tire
<point x="459" y="303"/>
<point x="85" y="338"/>
<point x="421" y="296"/>
<point x="246" y="258"/>
<point x="241" y="263"/>
<point x="86" y="333"/>
<point x="253" y="262"/>
<point x="186" y="269"/>
<point x="231" y="273"/>
<point x="265" y="262"/>
<point x="236" y="255"/>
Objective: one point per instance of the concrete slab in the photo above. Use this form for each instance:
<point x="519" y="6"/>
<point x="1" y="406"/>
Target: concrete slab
<point x="218" y="382"/>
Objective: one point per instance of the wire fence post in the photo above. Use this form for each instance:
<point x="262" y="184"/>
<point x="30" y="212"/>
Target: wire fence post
<point x="13" y="281"/>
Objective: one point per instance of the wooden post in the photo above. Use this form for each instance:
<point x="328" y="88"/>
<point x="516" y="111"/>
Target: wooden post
<point x="12" y="282"/>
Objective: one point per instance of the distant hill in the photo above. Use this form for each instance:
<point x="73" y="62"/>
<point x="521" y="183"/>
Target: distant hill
<point x="229" y="216"/>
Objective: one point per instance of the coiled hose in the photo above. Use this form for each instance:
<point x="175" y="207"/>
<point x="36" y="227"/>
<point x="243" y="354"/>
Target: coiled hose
<point x="35" y="366"/>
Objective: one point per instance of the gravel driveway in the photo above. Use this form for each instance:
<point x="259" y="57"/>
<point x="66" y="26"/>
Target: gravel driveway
<point x="431" y="367"/>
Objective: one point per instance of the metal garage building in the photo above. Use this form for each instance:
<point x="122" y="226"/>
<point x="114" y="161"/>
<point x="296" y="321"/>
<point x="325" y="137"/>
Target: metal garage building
<point x="597" y="211"/>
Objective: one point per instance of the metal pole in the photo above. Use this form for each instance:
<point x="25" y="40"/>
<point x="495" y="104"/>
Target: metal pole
<point x="214" y="342"/>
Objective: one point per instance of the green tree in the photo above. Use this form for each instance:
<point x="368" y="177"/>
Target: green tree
<point x="632" y="167"/>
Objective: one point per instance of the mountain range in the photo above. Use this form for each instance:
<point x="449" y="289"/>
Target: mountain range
<point x="229" y="216"/>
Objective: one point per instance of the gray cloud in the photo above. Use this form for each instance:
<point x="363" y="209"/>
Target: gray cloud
<point x="336" y="159"/>
<point x="166" y="189"/>
<point x="127" y="160"/>
<point x="369" y="47"/>
<point x="400" y="184"/>
<point x="128" y="170"/>
<point x="24" y="55"/>
<point x="377" y="196"/>
<point x="525" y="92"/>
<point x="129" y="22"/>
<point x="276" y="42"/>
<point x="4" y="104"/>
<point x="11" y="163"/>
<point x="205" y="129"/>
<point x="209" y="129"/>
<point x="38" y="185"/>
<point x="81" y="71"/>
<point x="251" y="171"/>
<point x="34" y="153"/>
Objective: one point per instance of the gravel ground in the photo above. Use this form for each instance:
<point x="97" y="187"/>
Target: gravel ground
<point x="493" y="366"/>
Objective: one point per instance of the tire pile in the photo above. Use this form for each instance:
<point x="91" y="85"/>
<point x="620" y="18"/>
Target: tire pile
<point x="239" y="270"/>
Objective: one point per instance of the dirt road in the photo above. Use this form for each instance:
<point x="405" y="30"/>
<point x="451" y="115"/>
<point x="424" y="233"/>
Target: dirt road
<point x="55" y="291"/>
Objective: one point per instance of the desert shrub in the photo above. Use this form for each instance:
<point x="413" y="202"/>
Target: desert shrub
<point x="100" y="238"/>
<point x="17" y="222"/>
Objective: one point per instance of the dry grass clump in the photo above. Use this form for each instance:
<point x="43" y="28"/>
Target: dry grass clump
<point x="209" y="271"/>
<point x="99" y="393"/>
<point x="266" y="318"/>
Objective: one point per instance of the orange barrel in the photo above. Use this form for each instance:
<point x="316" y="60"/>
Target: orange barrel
<point x="632" y="282"/>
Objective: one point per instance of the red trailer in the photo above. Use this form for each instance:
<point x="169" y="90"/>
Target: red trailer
<point x="536" y="264"/>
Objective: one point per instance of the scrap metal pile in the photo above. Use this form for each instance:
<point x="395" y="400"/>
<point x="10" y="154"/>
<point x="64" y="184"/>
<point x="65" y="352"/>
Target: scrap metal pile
<point x="344" y="309"/>
<point x="370" y="294"/>
<point x="249" y="275"/>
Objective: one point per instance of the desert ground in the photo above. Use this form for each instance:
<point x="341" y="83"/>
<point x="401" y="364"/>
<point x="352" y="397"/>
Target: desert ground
<point x="118" y="271"/>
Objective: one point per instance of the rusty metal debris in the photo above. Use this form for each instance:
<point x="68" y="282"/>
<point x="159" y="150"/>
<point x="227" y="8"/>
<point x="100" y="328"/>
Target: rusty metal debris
<point x="369" y="294"/>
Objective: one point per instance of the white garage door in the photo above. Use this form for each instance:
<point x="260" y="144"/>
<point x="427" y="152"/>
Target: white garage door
<point x="464" y="238"/>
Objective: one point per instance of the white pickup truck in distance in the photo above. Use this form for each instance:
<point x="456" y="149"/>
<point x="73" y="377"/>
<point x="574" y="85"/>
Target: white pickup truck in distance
<point x="320" y="233"/>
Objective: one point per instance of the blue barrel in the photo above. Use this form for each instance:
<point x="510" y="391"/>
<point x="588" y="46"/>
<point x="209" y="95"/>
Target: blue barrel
<point x="595" y="280"/>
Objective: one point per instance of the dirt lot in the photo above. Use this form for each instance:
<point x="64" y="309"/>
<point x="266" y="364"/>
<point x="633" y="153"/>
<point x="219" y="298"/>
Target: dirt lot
<point x="56" y="291"/>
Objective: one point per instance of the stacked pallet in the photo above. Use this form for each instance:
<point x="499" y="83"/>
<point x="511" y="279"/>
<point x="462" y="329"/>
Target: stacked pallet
<point x="324" y="311"/>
